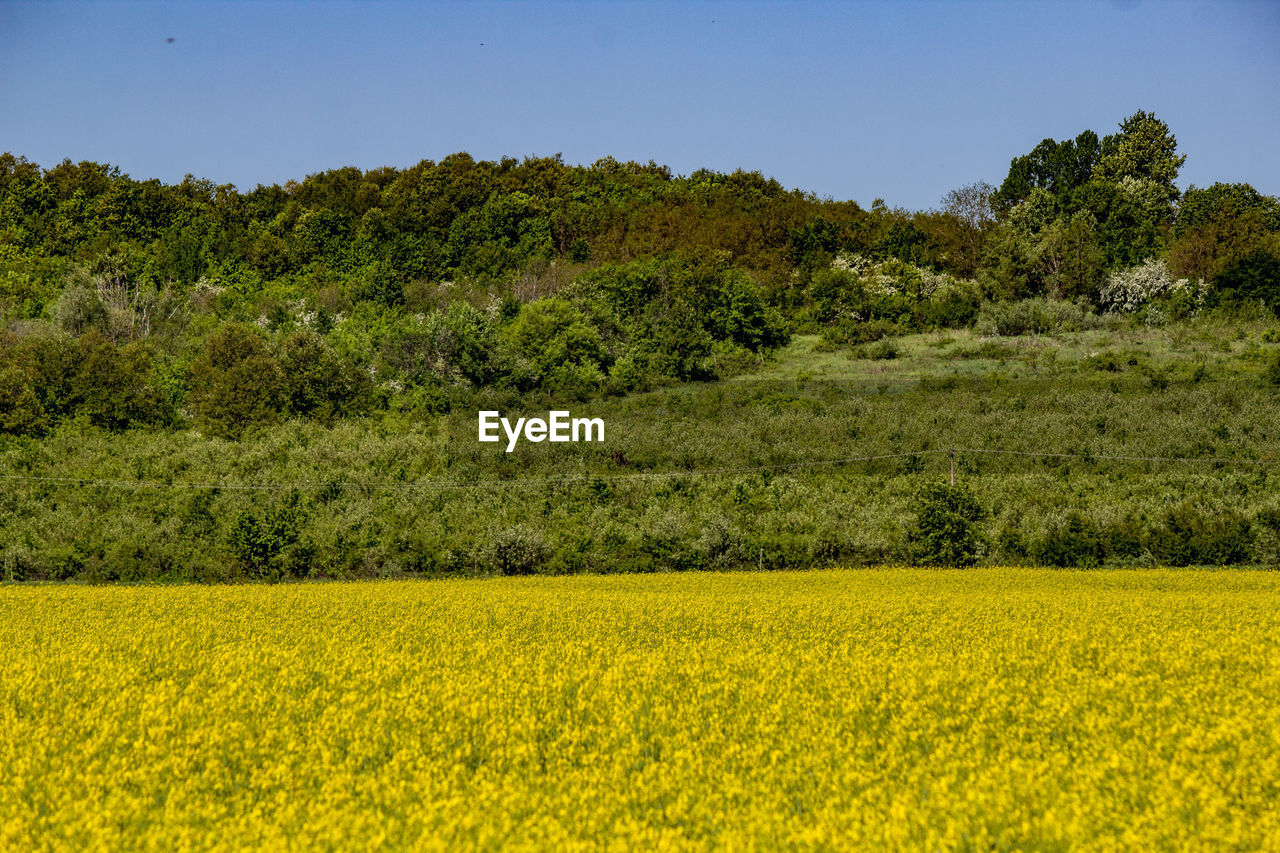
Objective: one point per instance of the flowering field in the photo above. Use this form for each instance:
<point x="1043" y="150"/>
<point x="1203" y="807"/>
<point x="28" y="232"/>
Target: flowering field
<point x="991" y="708"/>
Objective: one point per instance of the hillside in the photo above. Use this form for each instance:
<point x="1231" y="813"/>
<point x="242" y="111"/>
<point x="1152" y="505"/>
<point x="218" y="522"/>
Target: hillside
<point x="199" y="382"/>
<point x="743" y="473"/>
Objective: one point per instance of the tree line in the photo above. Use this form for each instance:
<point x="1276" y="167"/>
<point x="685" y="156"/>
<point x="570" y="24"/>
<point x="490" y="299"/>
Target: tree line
<point x="134" y="303"/>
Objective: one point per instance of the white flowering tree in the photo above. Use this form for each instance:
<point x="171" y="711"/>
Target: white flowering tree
<point x="1125" y="291"/>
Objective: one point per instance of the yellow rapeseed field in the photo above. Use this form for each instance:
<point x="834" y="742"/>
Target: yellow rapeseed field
<point x="896" y="708"/>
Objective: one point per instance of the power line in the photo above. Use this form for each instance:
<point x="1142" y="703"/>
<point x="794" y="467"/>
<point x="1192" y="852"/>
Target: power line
<point x="456" y="484"/>
<point x="1091" y="456"/>
<point x="445" y="485"/>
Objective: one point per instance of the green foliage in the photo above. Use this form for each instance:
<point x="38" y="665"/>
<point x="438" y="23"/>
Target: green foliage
<point x="1082" y="393"/>
<point x="1073" y="542"/>
<point x="269" y="547"/>
<point x="114" y="386"/>
<point x="1070" y="258"/>
<point x="1187" y="535"/>
<point x="1199" y="207"/>
<point x="379" y="283"/>
<point x="883" y="349"/>
<point x="79" y="310"/>
<point x="235" y="383"/>
<point x="1220" y="226"/>
<point x="945" y="532"/>
<point x="378" y="309"/>
<point x="1056" y="167"/>
<point x="1033" y="317"/>
<point x="1255" y="278"/>
<point x="316" y="383"/>
<point x="515" y="551"/>
<point x="1074" y="209"/>
<point x="21" y="412"/>
<point x="1143" y="150"/>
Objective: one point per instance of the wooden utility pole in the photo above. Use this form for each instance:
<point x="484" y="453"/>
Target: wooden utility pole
<point x="952" y="454"/>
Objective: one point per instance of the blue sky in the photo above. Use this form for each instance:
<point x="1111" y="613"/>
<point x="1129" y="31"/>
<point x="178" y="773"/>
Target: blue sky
<point x="860" y="100"/>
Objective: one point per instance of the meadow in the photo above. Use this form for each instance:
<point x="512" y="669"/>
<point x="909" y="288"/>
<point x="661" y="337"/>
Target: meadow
<point x="995" y="708"/>
<point x="705" y="475"/>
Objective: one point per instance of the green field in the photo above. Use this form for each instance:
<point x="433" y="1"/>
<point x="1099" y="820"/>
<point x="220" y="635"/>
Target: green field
<point x="707" y="475"/>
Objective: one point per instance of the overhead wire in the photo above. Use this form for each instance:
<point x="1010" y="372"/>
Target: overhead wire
<point x="525" y="482"/>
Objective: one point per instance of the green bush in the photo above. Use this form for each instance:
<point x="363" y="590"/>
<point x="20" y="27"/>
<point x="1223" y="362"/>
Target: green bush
<point x="316" y="383"/>
<point x="854" y="332"/>
<point x="1188" y="535"/>
<point x="1272" y="373"/>
<point x="1033" y="317"/>
<point x="1074" y="542"/>
<point x="516" y="551"/>
<point x="269" y="547"/>
<point x="114" y="387"/>
<point x="945" y="532"/>
<point x="79" y="309"/>
<point x="21" y="412"/>
<point x="881" y="350"/>
<point x="1255" y="278"/>
<point x="235" y="383"/>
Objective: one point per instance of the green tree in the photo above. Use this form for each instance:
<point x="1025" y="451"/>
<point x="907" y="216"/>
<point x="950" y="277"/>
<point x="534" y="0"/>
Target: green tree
<point x="945" y="532"/>
<point x="1143" y="150"/>
<point x="969" y="216"/>
<point x="1220" y="202"/>
<point x="1055" y="167"/>
<point x="1255" y="278"/>
<point x="316" y="383"/>
<point x="113" y="385"/>
<point x="235" y="383"/>
<point x="1070" y="258"/>
<point x="21" y="412"/>
<point x="270" y="547"/>
<point x="551" y="334"/>
<point x="1220" y="226"/>
<point x="79" y="309"/>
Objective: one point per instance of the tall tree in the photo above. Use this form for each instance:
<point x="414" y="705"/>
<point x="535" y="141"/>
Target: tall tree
<point x="1143" y="150"/>
<point x="1058" y="167"/>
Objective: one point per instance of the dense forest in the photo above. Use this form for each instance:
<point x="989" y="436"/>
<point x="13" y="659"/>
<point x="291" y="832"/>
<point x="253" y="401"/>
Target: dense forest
<point x="413" y="296"/>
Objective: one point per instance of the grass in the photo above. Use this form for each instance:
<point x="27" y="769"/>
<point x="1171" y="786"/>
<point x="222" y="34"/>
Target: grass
<point x="396" y="494"/>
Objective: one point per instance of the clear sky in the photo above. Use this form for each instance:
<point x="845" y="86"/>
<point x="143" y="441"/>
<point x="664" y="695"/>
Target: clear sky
<point x="898" y="100"/>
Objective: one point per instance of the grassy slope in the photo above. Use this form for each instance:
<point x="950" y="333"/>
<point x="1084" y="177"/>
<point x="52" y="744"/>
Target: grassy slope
<point x="638" y="501"/>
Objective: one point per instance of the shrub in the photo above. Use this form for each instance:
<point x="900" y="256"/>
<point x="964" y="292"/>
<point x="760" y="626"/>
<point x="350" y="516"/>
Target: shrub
<point x="1033" y="317"/>
<point x="1076" y="541"/>
<point x="953" y="307"/>
<point x="269" y="547"/>
<point x="316" y="383"/>
<point x="113" y="386"/>
<point x="853" y="332"/>
<point x="550" y="334"/>
<point x="235" y="383"/>
<point x="80" y="309"/>
<point x="880" y="350"/>
<point x="1255" y="278"/>
<point x="1125" y="291"/>
<point x="516" y="550"/>
<point x="945" y="532"/>
<point x="1188" y="535"/>
<point x="21" y="412"/>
